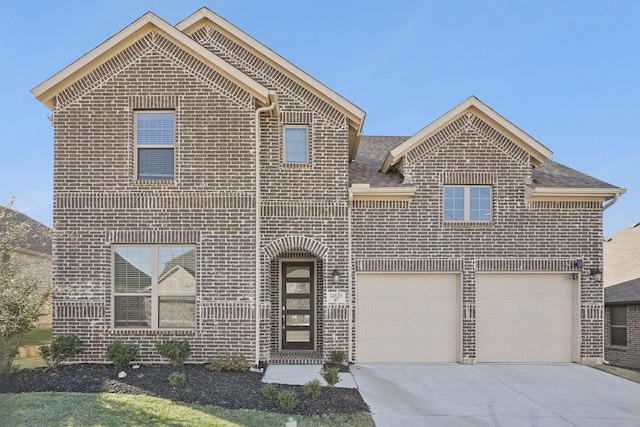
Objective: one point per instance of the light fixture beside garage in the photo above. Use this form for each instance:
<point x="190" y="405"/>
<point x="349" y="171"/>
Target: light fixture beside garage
<point x="336" y="274"/>
<point x="578" y="264"/>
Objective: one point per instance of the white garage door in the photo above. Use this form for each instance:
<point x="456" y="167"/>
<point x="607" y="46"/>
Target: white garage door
<point x="525" y="317"/>
<point x="407" y="317"/>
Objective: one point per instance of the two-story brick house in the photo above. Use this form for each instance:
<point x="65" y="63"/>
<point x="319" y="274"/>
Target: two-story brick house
<point x="206" y="188"/>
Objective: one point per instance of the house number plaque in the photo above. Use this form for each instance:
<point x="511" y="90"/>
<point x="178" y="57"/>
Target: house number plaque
<point x="337" y="297"/>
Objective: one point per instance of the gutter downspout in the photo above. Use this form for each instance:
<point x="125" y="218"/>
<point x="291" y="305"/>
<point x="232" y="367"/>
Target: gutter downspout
<point x="350" y="277"/>
<point x="273" y="107"/>
<point x="616" y="196"/>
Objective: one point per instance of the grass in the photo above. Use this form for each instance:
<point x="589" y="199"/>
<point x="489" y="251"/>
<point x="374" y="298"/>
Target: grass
<point x="37" y="337"/>
<point x="108" y="409"/>
<point x="628" y="374"/>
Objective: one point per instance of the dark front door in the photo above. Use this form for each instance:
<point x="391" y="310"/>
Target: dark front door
<point x="297" y="305"/>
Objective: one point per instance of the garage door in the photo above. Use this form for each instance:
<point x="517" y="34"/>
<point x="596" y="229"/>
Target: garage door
<point x="525" y="317"/>
<point x="407" y="317"/>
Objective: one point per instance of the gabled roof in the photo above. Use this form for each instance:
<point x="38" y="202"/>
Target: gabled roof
<point x="47" y="91"/>
<point x="552" y="180"/>
<point x="354" y="114"/>
<point x="538" y="152"/>
<point x="38" y="239"/>
<point x="627" y="292"/>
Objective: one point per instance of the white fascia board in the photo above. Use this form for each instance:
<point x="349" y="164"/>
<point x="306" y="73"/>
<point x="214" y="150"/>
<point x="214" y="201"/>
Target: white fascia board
<point x="365" y="192"/>
<point x="553" y="193"/>
<point x="536" y="150"/>
<point x="198" y="20"/>
<point x="46" y="91"/>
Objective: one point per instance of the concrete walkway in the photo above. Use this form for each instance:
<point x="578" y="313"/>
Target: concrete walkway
<point x="497" y="395"/>
<point x="301" y="374"/>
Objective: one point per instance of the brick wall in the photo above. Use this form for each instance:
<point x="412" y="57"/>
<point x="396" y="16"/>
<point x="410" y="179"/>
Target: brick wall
<point x="211" y="202"/>
<point x="523" y="236"/>
<point x="629" y="355"/>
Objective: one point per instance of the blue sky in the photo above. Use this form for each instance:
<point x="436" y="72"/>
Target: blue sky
<point x="565" y="72"/>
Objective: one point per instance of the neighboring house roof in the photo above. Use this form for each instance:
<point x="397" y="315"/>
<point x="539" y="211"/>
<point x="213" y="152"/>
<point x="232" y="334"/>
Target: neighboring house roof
<point x="38" y="239"/>
<point x="627" y="292"/>
<point x="620" y="256"/>
<point x="355" y="116"/>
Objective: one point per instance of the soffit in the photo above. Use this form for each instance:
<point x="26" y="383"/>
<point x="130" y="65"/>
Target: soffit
<point x="538" y="153"/>
<point x="47" y="91"/>
<point x="355" y="115"/>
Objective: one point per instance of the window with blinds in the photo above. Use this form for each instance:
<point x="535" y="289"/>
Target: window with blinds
<point x="155" y="139"/>
<point x="154" y="287"/>
<point x="296" y="145"/>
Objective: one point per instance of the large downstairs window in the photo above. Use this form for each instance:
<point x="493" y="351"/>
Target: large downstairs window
<point x="155" y="139"/>
<point x="154" y="287"/>
<point x="467" y="203"/>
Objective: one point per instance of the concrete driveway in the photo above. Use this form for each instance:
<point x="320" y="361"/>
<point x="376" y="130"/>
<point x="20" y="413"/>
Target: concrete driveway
<point x="497" y="395"/>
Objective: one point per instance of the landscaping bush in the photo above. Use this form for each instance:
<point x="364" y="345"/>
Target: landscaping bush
<point x="338" y="357"/>
<point x="122" y="354"/>
<point x="61" y="348"/>
<point x="331" y="376"/>
<point x="269" y="391"/>
<point x="177" y="351"/>
<point x="312" y="389"/>
<point x="288" y="400"/>
<point x="177" y="379"/>
<point x="228" y="363"/>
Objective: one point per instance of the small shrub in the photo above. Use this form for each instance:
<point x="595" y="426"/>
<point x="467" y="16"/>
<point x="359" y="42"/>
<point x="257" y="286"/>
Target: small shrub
<point x="269" y="391"/>
<point x="312" y="389"/>
<point x="122" y="354"/>
<point x="176" y="351"/>
<point x="228" y="363"/>
<point x="331" y="376"/>
<point x="288" y="400"/>
<point x="338" y="357"/>
<point x="177" y="379"/>
<point x="61" y="348"/>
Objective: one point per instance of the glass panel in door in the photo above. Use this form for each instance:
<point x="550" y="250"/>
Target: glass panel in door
<point x="297" y="305"/>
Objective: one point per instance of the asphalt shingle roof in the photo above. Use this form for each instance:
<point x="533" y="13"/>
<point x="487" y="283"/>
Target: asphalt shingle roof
<point x="39" y="238"/>
<point x="624" y="292"/>
<point x="554" y="175"/>
<point x="365" y="169"/>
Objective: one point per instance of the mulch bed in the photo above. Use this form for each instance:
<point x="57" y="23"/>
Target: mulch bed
<point x="233" y="390"/>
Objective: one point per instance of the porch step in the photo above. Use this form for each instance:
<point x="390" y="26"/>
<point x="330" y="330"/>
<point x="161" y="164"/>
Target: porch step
<point x="296" y="357"/>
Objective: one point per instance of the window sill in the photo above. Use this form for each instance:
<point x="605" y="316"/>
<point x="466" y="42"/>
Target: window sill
<point x="467" y="224"/>
<point x="617" y="347"/>
<point x="152" y="331"/>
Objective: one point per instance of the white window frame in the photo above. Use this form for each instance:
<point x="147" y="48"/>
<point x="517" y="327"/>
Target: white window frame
<point x="139" y="147"/>
<point x="284" y="145"/>
<point x="467" y="204"/>
<point x="155" y="294"/>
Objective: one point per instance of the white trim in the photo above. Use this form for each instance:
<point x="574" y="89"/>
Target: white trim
<point x="561" y="193"/>
<point x="538" y="152"/>
<point x="46" y="91"/>
<point x="365" y="192"/>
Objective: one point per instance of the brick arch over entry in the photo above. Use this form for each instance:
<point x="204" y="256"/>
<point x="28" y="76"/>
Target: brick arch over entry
<point x="288" y="243"/>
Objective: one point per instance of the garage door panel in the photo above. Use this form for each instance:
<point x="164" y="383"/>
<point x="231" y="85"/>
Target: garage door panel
<point x="407" y="317"/>
<point x="525" y="317"/>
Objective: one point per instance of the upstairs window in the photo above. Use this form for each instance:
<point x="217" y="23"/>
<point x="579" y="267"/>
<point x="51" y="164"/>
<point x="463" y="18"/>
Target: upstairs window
<point x="619" y="325"/>
<point x="154" y="287"/>
<point x="155" y="140"/>
<point x="296" y="145"/>
<point x="467" y="203"/>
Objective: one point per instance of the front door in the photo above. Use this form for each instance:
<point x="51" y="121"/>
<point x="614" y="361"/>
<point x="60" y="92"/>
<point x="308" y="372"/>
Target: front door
<point x="297" y="305"/>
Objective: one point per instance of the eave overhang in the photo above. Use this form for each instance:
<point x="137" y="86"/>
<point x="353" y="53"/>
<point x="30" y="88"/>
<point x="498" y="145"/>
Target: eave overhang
<point x="355" y="116"/>
<point x="572" y="194"/>
<point x="537" y="152"/>
<point x="361" y="192"/>
<point x="47" y="91"/>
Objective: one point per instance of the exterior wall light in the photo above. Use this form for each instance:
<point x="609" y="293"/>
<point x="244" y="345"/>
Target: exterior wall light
<point x="336" y="274"/>
<point x="578" y="264"/>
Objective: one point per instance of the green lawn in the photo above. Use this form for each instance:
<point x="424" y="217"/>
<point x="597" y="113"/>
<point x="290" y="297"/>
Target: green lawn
<point x="37" y="336"/>
<point x="107" y="409"/>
